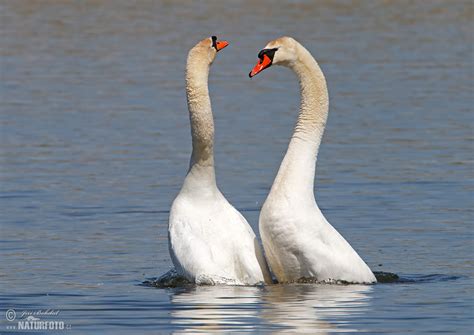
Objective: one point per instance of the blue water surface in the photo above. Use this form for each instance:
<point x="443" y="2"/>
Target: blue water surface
<point x="95" y="144"/>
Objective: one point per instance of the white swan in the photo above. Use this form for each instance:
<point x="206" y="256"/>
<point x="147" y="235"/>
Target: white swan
<point x="297" y="238"/>
<point x="210" y="242"/>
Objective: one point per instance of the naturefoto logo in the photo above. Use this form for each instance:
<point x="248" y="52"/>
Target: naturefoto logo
<point x="42" y="319"/>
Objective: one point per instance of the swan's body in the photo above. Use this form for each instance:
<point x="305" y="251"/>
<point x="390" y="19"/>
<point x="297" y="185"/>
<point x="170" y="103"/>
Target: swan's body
<point x="298" y="240"/>
<point x="210" y="242"/>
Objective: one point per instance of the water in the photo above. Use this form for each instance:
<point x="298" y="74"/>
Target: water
<point x="95" y="144"/>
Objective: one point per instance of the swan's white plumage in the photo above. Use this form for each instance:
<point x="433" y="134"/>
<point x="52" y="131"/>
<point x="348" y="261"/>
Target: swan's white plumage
<point x="297" y="238"/>
<point x="210" y="242"/>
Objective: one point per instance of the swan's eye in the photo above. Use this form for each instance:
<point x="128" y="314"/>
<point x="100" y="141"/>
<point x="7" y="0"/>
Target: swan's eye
<point x="269" y="52"/>
<point x="214" y="42"/>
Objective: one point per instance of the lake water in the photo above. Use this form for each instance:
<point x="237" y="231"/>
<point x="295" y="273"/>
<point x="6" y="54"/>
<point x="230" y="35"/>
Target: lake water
<point x="95" y="144"/>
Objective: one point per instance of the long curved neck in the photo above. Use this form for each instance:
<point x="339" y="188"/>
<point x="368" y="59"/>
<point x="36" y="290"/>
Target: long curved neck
<point x="201" y="172"/>
<point x="296" y="173"/>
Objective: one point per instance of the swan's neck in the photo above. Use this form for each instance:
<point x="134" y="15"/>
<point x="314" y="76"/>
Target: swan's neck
<point x="201" y="174"/>
<point x="296" y="173"/>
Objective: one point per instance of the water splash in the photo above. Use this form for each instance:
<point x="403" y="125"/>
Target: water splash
<point x="172" y="279"/>
<point x="169" y="279"/>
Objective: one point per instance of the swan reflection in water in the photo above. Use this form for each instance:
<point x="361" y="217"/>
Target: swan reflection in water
<point x="307" y="308"/>
<point x="216" y="308"/>
<point x="277" y="308"/>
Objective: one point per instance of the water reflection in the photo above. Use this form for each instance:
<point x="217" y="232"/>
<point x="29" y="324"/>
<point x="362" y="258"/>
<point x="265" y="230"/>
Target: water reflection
<point x="314" y="308"/>
<point x="216" y="308"/>
<point x="282" y="308"/>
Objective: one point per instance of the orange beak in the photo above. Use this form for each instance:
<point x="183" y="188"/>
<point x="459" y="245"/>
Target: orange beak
<point x="221" y="45"/>
<point x="260" y="66"/>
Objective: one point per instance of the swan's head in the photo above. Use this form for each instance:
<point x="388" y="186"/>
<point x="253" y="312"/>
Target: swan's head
<point x="208" y="48"/>
<point x="281" y="51"/>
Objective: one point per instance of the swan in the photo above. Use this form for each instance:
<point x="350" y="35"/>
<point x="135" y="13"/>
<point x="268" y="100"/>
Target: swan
<point x="210" y="242"/>
<point x="298" y="240"/>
